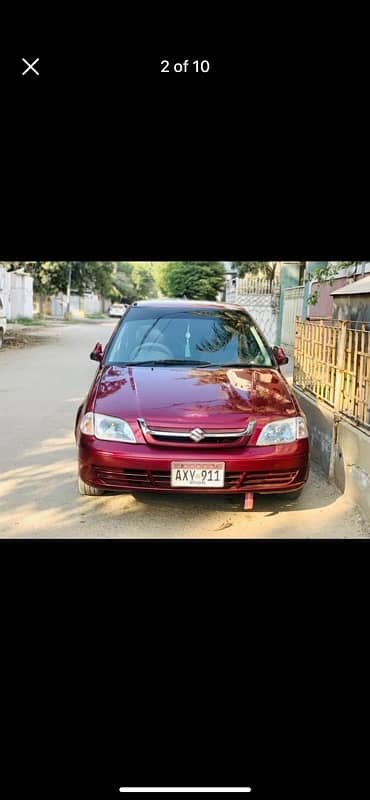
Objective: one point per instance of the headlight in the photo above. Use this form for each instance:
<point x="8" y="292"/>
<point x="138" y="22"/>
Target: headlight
<point x="283" y="431"/>
<point x="110" y="429"/>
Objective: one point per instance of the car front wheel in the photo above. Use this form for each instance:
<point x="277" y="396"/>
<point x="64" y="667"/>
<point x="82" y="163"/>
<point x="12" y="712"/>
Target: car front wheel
<point x="86" y="489"/>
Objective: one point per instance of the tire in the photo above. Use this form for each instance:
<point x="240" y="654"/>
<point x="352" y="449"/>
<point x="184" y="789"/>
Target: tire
<point x="86" y="489"/>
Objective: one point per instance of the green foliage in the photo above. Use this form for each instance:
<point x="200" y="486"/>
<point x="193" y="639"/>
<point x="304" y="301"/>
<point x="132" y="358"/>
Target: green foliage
<point x="51" y="277"/>
<point x="119" y="280"/>
<point x="12" y="265"/>
<point x="327" y="272"/>
<point x="158" y="268"/>
<point x="266" y="268"/>
<point x="123" y="288"/>
<point x="134" y="280"/>
<point x="343" y="264"/>
<point x="144" y="282"/>
<point x="196" y="280"/>
<point x="28" y="321"/>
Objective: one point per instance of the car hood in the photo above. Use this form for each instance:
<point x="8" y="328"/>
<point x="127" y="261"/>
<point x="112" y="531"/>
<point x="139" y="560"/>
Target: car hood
<point x="187" y="395"/>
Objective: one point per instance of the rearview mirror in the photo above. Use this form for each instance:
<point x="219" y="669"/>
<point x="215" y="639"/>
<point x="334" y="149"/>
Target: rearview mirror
<point x="280" y="356"/>
<point x="97" y="353"/>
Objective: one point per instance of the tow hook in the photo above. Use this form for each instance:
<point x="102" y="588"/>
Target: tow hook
<point x="248" y="501"/>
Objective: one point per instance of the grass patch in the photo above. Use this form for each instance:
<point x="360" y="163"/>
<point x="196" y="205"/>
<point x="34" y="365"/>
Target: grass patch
<point x="27" y="321"/>
<point x="15" y="339"/>
<point x="97" y="315"/>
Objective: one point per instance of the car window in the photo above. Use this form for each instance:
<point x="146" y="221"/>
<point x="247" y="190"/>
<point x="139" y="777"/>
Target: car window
<point x="215" y="337"/>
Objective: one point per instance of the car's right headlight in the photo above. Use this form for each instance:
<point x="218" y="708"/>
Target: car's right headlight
<point x="283" y="431"/>
<point x="111" y="429"/>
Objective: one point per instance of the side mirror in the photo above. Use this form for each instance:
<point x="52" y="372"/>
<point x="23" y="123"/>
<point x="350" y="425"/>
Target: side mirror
<point x="97" y="353"/>
<point x="280" y="356"/>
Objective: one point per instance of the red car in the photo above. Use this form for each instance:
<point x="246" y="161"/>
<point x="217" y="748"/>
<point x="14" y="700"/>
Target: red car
<point x="189" y="397"/>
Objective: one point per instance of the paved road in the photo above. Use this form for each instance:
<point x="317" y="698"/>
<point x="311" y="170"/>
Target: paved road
<point x="41" y="387"/>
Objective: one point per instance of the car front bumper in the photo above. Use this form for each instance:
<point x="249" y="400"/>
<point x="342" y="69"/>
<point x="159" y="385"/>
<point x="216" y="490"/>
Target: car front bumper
<point x="122" y="467"/>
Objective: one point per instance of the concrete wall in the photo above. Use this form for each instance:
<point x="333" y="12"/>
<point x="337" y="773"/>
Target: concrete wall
<point x="292" y="308"/>
<point x="59" y="305"/>
<point x="95" y="304"/>
<point x="21" y="296"/>
<point x="325" y="305"/>
<point x="262" y="302"/>
<point x="80" y="305"/>
<point x="346" y="461"/>
<point x="289" y="277"/>
<point x="352" y="465"/>
<point x="16" y="292"/>
<point x="5" y="289"/>
<point x="320" y="421"/>
<point x="354" y="307"/>
<point x="41" y="305"/>
<point x="264" y="309"/>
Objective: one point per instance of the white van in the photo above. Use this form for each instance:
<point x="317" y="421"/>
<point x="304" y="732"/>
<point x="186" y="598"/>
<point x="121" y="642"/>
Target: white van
<point x="2" y="321"/>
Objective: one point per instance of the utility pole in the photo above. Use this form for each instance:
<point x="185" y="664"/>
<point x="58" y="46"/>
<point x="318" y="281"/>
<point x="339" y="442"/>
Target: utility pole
<point x="67" y="314"/>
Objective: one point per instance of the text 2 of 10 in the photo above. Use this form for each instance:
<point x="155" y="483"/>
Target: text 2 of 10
<point x="185" y="66"/>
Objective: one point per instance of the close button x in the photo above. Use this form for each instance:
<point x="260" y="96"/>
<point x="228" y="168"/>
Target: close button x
<point x="30" y="66"/>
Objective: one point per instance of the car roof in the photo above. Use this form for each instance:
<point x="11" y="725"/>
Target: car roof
<point x="181" y="303"/>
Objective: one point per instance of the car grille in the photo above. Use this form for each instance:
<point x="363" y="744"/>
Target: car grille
<point x="208" y="438"/>
<point x="155" y="479"/>
<point x="206" y="442"/>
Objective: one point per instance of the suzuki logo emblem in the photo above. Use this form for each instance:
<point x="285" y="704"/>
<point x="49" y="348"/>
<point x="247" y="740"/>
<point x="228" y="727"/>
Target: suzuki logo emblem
<point x="197" y="435"/>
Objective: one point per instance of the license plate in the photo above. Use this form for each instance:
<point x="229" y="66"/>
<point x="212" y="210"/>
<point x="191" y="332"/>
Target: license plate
<point x="194" y="474"/>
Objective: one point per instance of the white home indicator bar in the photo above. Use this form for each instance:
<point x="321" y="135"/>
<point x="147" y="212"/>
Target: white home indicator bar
<point x="187" y="789"/>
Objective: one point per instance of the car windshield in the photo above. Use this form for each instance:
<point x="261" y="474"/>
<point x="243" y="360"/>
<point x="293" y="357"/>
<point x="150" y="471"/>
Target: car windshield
<point x="208" y="337"/>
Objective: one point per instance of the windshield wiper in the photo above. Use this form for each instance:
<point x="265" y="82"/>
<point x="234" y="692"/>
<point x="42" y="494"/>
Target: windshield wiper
<point x="245" y="366"/>
<point x="164" y="362"/>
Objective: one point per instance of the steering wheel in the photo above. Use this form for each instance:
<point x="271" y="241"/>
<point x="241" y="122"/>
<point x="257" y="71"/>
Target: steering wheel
<point x="140" y="348"/>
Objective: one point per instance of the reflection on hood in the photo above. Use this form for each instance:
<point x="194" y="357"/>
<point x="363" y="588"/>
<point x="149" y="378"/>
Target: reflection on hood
<point x="179" y="393"/>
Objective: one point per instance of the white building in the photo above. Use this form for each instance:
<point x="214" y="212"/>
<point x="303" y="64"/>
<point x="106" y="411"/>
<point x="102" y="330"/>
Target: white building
<point x="16" y="290"/>
<point x="21" y="295"/>
<point x="5" y="289"/>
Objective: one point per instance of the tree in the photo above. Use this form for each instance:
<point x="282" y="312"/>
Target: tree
<point x="155" y="269"/>
<point x="144" y="282"/>
<point x="10" y="266"/>
<point x="51" y="277"/>
<point x="123" y="287"/>
<point x="196" y="280"/>
<point x="267" y="268"/>
<point x="99" y="276"/>
<point x="134" y="280"/>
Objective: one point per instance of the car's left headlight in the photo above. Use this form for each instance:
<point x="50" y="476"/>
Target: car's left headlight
<point x="111" y="429"/>
<point x="283" y="431"/>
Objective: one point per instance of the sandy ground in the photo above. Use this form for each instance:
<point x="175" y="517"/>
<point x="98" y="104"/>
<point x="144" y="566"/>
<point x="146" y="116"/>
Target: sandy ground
<point x="41" y="387"/>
